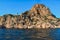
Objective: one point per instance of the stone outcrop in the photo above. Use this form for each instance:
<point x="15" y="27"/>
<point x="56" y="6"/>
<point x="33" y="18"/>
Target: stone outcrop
<point x="38" y="17"/>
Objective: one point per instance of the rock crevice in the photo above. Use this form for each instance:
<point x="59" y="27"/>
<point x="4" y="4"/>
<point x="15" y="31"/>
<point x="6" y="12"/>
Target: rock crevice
<point x="38" y="17"/>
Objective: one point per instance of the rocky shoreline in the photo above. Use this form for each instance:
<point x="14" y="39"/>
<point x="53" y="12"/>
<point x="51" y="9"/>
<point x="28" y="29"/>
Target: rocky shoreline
<point x="38" y="17"/>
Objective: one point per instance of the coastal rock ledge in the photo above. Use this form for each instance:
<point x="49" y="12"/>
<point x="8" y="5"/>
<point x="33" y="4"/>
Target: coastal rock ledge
<point x="38" y="17"/>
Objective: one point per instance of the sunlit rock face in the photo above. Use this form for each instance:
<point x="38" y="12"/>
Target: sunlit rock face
<point x="42" y="10"/>
<point x="38" y="17"/>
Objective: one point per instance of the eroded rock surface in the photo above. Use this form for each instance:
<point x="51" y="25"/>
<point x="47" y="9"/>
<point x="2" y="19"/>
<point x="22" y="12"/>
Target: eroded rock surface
<point x="38" y="17"/>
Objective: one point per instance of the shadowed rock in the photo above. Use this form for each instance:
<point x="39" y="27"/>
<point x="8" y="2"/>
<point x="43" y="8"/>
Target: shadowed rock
<point x="38" y="17"/>
<point x="2" y="26"/>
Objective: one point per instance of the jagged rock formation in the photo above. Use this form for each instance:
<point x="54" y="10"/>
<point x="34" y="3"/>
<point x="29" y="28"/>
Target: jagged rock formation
<point x="38" y="17"/>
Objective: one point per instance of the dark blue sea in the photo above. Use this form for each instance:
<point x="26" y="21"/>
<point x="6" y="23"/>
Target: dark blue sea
<point x="29" y="34"/>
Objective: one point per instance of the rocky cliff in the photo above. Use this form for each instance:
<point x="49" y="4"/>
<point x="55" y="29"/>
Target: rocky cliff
<point x="38" y="17"/>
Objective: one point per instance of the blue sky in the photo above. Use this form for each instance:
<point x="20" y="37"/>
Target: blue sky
<point x="20" y="6"/>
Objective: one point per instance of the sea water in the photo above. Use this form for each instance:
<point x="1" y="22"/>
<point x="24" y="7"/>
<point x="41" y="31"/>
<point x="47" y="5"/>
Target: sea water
<point x="29" y="34"/>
